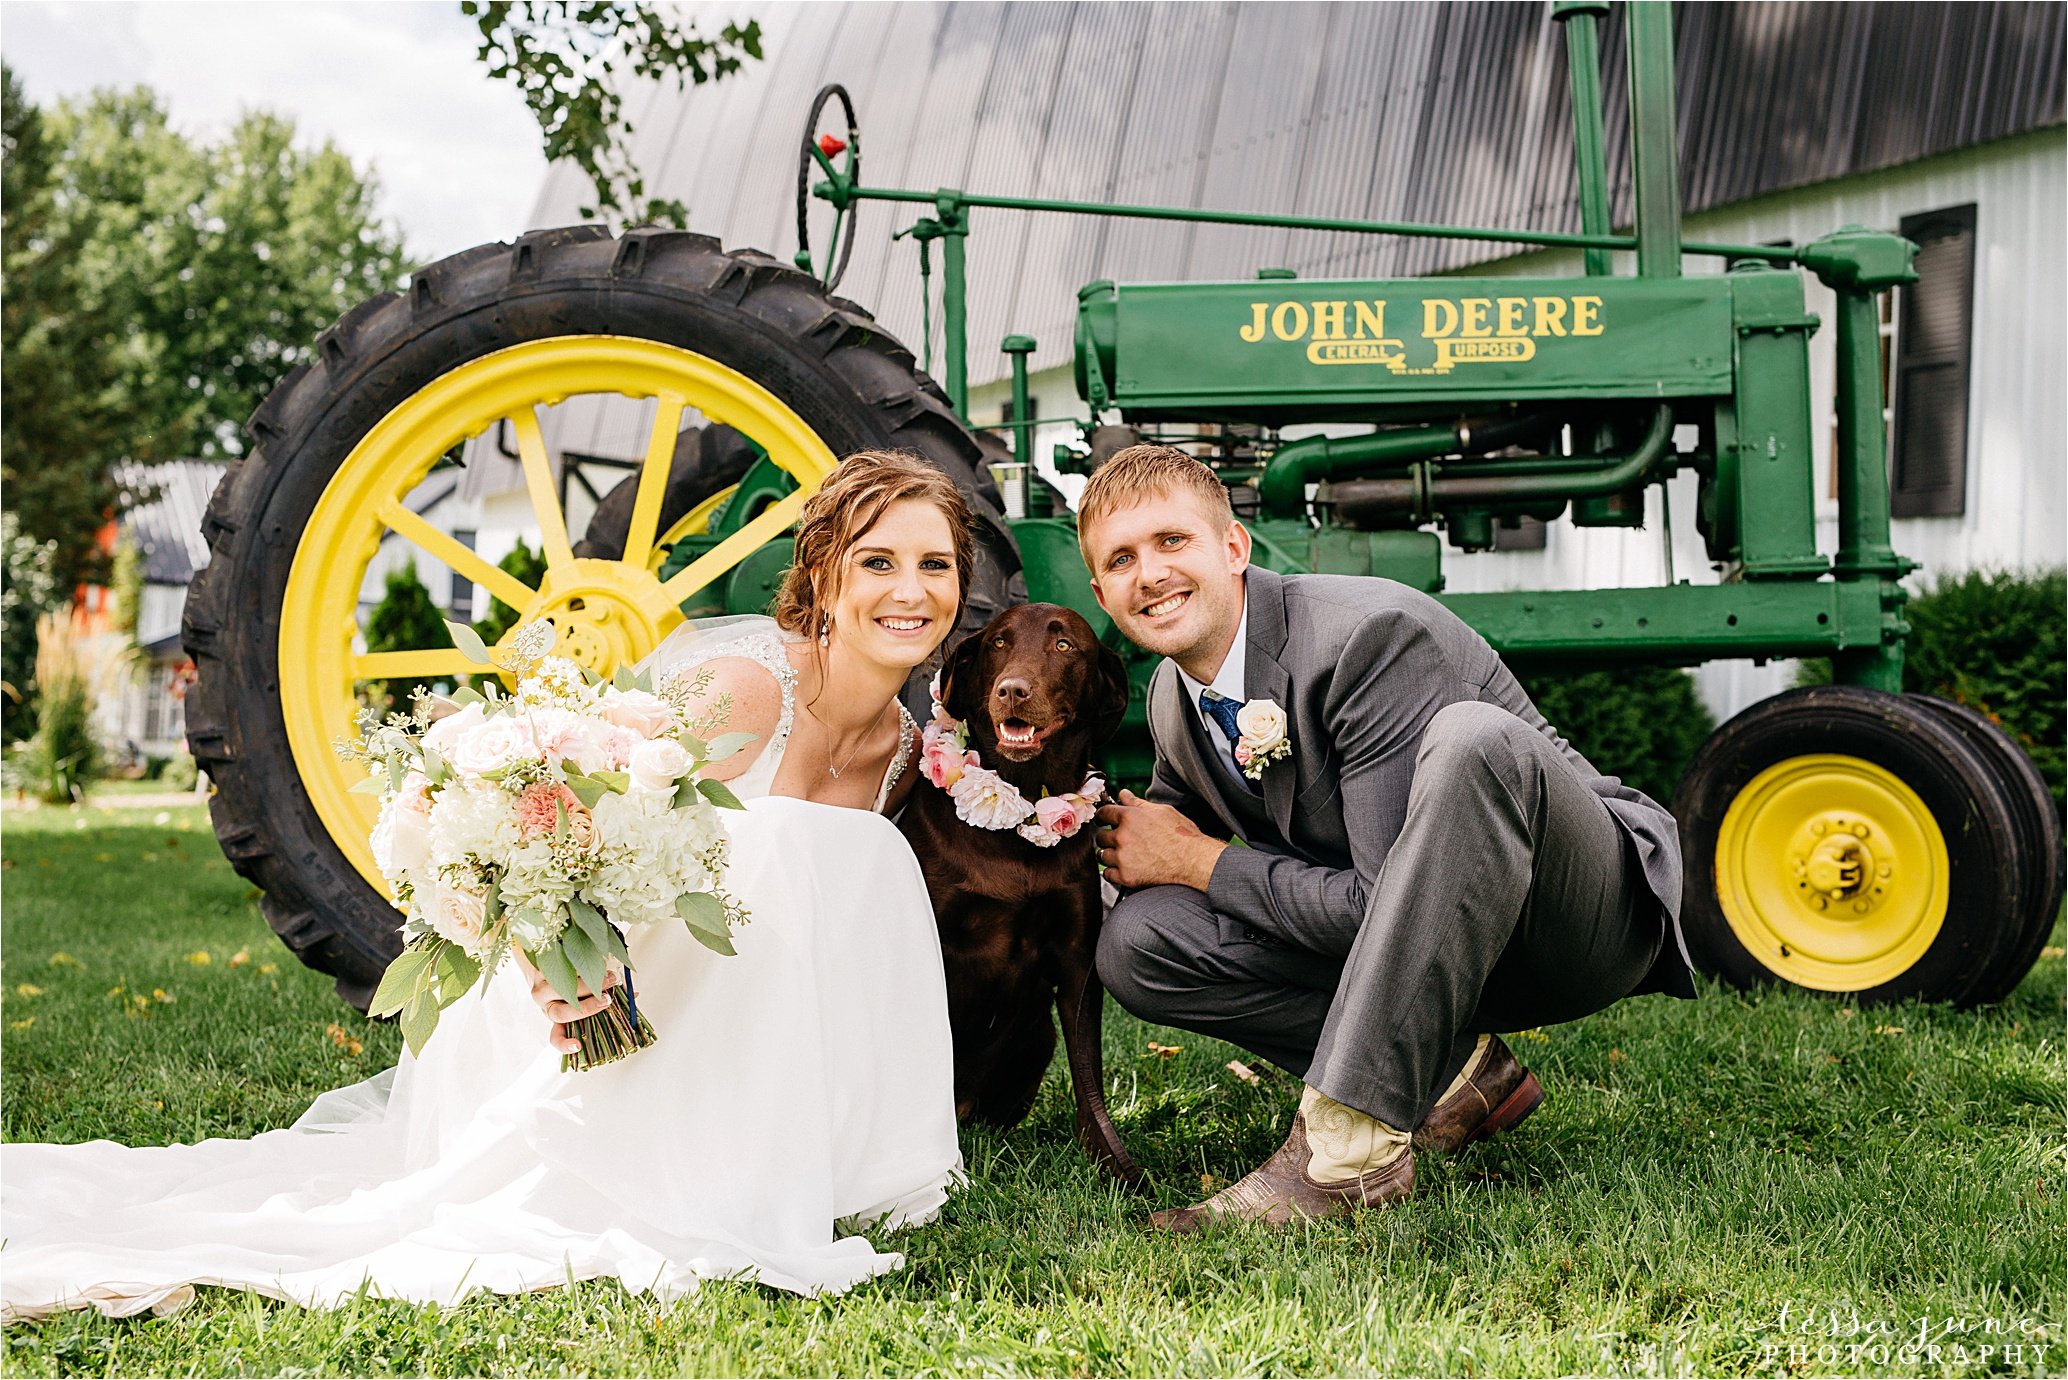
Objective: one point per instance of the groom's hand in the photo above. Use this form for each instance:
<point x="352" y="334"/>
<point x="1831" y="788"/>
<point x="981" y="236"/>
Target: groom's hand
<point x="1141" y="843"/>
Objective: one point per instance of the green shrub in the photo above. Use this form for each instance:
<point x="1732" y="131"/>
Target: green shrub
<point x="527" y="565"/>
<point x="181" y="772"/>
<point x="1640" y="723"/>
<point x="1992" y="640"/>
<point x="64" y="753"/>
<point x="405" y="620"/>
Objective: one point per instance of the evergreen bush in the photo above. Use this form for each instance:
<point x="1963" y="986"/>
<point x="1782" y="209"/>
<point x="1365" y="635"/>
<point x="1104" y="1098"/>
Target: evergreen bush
<point x="1992" y="640"/>
<point x="405" y="620"/>
<point x="1640" y="723"/>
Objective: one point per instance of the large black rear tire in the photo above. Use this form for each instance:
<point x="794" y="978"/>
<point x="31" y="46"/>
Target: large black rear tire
<point x="823" y="357"/>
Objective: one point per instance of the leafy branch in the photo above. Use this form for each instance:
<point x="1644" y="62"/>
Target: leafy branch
<point x="568" y="57"/>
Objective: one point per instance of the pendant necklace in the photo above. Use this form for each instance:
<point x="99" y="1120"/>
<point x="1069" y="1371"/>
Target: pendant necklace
<point x="832" y="770"/>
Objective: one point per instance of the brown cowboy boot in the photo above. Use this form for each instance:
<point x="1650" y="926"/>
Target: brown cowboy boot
<point x="1490" y="1095"/>
<point x="1281" y="1189"/>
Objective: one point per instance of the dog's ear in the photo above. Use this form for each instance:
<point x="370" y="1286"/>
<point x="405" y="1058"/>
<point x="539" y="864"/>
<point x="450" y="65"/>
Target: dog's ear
<point x="1106" y="695"/>
<point x="960" y="691"/>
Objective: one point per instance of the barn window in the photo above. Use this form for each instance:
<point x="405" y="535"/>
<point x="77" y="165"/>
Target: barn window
<point x="1935" y="343"/>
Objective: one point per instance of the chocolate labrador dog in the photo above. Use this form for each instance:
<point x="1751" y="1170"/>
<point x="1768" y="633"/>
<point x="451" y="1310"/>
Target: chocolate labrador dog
<point x="1020" y="922"/>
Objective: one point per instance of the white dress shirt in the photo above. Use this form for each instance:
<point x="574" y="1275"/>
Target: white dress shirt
<point x="1227" y="683"/>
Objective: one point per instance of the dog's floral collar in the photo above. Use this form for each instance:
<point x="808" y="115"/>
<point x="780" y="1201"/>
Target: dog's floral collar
<point x="1264" y="739"/>
<point x="987" y="800"/>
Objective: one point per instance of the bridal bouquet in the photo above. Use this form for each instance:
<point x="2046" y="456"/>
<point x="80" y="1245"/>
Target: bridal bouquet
<point x="545" y="821"/>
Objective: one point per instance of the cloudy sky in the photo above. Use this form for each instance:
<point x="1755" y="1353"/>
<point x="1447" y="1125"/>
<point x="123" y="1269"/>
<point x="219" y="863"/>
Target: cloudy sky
<point x="393" y="83"/>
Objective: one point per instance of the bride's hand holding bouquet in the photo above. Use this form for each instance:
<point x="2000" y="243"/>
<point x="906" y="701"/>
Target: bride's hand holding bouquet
<point x="543" y="822"/>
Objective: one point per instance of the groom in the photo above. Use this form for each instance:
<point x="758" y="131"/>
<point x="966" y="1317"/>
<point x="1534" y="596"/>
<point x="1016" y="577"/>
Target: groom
<point x="1423" y="861"/>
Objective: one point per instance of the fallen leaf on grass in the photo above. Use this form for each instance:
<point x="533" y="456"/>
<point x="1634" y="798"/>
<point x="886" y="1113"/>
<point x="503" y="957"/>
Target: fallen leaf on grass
<point x="1206" y="1183"/>
<point x="1845" y="1013"/>
<point x="61" y="959"/>
<point x="240" y="958"/>
<point x="1243" y="1071"/>
<point x="162" y="817"/>
<point x="27" y="989"/>
<point x="160" y="994"/>
<point x="1164" y="1051"/>
<point x="104" y="857"/>
<point x="269" y="968"/>
<point x="1888" y="1030"/>
<point x="200" y="958"/>
<point x="342" y="1038"/>
<point x="2053" y="951"/>
<point x="1616" y="1056"/>
<point x="23" y="1024"/>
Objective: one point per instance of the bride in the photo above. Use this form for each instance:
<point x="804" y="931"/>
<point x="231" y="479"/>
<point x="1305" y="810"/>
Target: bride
<point x="802" y="1083"/>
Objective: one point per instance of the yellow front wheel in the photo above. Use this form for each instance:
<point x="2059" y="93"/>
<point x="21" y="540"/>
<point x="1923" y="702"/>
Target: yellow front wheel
<point x="429" y="417"/>
<point x="1847" y="841"/>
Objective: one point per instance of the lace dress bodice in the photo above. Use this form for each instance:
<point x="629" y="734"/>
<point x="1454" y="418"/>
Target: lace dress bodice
<point x="766" y="648"/>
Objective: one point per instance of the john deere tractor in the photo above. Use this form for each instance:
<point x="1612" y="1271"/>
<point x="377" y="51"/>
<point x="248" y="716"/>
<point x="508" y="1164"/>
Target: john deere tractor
<point x="1846" y="838"/>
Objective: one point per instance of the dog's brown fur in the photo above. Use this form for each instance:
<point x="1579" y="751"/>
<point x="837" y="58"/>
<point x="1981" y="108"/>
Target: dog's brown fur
<point x="1020" y="924"/>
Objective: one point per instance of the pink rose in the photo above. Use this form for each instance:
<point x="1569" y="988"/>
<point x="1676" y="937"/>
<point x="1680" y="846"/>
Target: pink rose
<point x="618" y="744"/>
<point x="1058" y="814"/>
<point x="942" y="761"/>
<point x="1242" y="754"/>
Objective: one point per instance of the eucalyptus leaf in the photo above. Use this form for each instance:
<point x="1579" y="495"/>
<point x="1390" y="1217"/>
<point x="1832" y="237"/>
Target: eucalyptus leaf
<point x="686" y="793"/>
<point x="419" y="1019"/>
<point x="588" y="920"/>
<point x="719" y="794"/>
<point x="456" y="973"/>
<point x="434" y="766"/>
<point x="586" y="957"/>
<point x="467" y="695"/>
<point x="621" y="679"/>
<point x="468" y="641"/>
<point x="706" y="920"/>
<point x="696" y="747"/>
<point x="616" y="781"/>
<point x="404" y="976"/>
<point x="643" y="680"/>
<point x="396" y="772"/>
<point x="587" y="789"/>
<point x="372" y="785"/>
<point x="553" y="965"/>
<point x="726" y="744"/>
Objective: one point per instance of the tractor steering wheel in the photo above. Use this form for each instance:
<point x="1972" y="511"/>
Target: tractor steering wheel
<point x="815" y="148"/>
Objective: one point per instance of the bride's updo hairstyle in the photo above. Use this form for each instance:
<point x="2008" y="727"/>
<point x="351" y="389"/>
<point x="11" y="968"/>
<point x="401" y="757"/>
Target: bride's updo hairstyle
<point x="847" y="505"/>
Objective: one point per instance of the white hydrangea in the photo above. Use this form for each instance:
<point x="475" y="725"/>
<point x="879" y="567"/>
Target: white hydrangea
<point x="472" y="819"/>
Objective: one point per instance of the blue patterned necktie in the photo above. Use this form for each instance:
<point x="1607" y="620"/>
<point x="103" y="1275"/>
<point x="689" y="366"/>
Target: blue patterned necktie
<point x="1223" y="711"/>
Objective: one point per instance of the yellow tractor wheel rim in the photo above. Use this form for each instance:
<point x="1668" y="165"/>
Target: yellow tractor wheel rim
<point x="608" y="612"/>
<point x="1832" y="872"/>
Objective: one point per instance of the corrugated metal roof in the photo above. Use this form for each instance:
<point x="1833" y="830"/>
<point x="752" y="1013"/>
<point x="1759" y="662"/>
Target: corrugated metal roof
<point x="1452" y="112"/>
<point x="167" y="530"/>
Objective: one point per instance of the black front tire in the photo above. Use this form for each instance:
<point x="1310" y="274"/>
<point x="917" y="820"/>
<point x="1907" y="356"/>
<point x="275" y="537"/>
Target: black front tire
<point x="1986" y="882"/>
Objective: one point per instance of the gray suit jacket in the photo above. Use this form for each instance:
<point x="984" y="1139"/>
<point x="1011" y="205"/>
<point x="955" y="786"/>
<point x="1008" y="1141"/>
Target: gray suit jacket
<point x="1360" y="665"/>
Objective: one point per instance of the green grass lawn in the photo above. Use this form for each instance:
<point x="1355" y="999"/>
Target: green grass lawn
<point x="1713" y="1187"/>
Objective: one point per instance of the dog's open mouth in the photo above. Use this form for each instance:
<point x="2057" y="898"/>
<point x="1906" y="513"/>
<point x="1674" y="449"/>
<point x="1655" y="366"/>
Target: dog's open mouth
<point x="1019" y="740"/>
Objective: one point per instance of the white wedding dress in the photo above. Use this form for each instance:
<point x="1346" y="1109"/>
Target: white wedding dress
<point x="802" y="1083"/>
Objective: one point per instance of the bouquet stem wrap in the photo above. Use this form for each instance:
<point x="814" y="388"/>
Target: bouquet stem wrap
<point x="611" y="1034"/>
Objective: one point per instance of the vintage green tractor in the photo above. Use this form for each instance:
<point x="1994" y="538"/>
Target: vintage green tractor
<point x="1845" y="839"/>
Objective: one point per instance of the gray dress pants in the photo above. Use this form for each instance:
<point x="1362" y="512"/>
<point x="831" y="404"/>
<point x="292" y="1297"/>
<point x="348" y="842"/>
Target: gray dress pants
<point x="1510" y="900"/>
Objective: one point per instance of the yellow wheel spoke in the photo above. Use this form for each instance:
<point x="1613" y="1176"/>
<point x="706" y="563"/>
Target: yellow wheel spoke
<point x="734" y="549"/>
<point x="653" y="481"/>
<point x="545" y="501"/>
<point x="431" y="661"/>
<point x="460" y="557"/>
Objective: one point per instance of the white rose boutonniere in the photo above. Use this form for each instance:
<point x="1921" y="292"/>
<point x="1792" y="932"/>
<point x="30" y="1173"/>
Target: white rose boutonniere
<point x="1264" y="741"/>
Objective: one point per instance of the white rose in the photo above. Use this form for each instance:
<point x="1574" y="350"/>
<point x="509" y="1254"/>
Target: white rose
<point x="457" y="914"/>
<point x="442" y="734"/>
<point x="1262" y="722"/>
<point x="401" y="838"/>
<point x="658" y="763"/>
<point x="491" y="745"/>
<point x="984" y="799"/>
<point x="647" y="715"/>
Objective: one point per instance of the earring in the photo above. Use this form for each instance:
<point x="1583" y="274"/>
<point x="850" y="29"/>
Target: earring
<point x="825" y="628"/>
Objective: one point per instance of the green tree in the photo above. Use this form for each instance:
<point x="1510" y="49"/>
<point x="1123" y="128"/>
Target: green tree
<point x="405" y="620"/>
<point x="1640" y="723"/>
<point x="566" y="57"/>
<point x="28" y="593"/>
<point x="157" y="289"/>
<point x="526" y="564"/>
